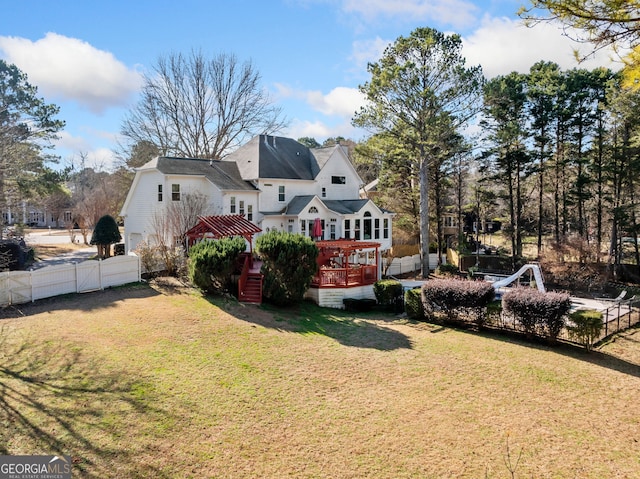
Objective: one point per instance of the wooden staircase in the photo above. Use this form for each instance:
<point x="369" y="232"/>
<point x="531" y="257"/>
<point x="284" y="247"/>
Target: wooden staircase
<point x="250" y="283"/>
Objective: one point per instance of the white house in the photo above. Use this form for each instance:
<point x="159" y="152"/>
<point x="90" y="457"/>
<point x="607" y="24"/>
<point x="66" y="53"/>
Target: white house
<point x="274" y="182"/>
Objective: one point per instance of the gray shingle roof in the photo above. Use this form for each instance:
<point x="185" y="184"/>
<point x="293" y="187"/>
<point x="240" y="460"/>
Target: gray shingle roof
<point x="225" y="175"/>
<point x="266" y="156"/>
<point x="344" y="207"/>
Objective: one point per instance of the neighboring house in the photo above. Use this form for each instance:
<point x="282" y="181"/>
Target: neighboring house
<point x="274" y="182"/>
<point x="34" y="215"/>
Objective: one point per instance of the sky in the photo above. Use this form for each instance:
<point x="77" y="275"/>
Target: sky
<point x="89" y="57"/>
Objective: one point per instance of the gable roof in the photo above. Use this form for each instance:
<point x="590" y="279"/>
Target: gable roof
<point x="345" y="207"/>
<point x="266" y="156"/>
<point x="225" y="175"/>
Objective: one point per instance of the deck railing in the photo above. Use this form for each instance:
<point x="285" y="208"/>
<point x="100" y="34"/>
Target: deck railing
<point x="354" y="275"/>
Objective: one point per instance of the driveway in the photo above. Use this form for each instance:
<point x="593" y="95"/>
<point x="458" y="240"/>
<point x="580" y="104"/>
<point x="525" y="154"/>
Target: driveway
<point x="37" y="237"/>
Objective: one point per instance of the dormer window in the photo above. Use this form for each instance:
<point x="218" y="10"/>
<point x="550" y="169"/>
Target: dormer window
<point x="338" y="180"/>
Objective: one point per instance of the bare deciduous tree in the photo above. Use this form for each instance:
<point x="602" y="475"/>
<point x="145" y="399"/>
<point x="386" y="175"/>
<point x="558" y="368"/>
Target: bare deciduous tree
<point x="200" y="108"/>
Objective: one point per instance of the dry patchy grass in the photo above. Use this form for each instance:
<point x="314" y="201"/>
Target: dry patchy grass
<point x="161" y="382"/>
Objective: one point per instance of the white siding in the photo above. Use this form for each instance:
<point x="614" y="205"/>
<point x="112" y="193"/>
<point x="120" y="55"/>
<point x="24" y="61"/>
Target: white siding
<point x="338" y="165"/>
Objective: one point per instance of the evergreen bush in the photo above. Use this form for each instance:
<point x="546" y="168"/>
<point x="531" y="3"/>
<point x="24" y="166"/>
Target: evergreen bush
<point x="585" y="326"/>
<point x="211" y="263"/>
<point x="447" y="269"/>
<point x="105" y="233"/>
<point x="289" y="262"/>
<point x="413" y="304"/>
<point x="387" y="292"/>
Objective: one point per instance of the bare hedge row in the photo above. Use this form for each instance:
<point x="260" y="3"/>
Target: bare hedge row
<point x="457" y="300"/>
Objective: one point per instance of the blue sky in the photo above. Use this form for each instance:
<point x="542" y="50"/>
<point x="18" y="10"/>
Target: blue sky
<point x="87" y="56"/>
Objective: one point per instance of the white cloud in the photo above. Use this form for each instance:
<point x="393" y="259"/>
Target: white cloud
<point x="458" y="13"/>
<point x="368" y="51"/>
<point x="341" y="101"/>
<point x="502" y="45"/>
<point x="72" y="148"/>
<point x="71" y="69"/>
<point x="321" y="131"/>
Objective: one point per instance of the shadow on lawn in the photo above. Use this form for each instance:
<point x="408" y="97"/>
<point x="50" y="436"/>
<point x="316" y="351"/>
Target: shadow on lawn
<point x="52" y="401"/>
<point x="91" y="301"/>
<point x="598" y="358"/>
<point x="308" y="318"/>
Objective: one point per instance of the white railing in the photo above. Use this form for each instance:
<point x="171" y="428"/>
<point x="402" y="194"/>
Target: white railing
<point x="408" y="264"/>
<point x="24" y="286"/>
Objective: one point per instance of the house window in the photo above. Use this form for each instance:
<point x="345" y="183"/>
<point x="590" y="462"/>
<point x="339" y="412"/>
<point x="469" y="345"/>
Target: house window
<point x="250" y="212"/>
<point x="303" y="227"/>
<point x="324" y="192"/>
<point x="241" y="209"/>
<point x="376" y="228"/>
<point x="232" y="207"/>
<point x="290" y="226"/>
<point x="159" y="192"/>
<point x="332" y="231"/>
<point x="367" y="225"/>
<point x="347" y="229"/>
<point x="67" y="216"/>
<point x="338" y="180"/>
<point x="385" y="231"/>
<point x="281" y="193"/>
<point x="175" y="192"/>
<point x="313" y="209"/>
<point x="357" y="229"/>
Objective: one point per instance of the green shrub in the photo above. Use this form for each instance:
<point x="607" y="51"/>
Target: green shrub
<point x="413" y="304"/>
<point x="455" y="296"/>
<point x="447" y="269"/>
<point x="289" y="262"/>
<point x="105" y="233"/>
<point x="211" y="263"/>
<point x="387" y="292"/>
<point x="539" y="313"/>
<point x="358" y="304"/>
<point x="585" y="326"/>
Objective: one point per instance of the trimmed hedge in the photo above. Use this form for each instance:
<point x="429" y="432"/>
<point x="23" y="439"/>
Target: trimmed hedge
<point x="456" y="296"/>
<point x="541" y="314"/>
<point x="413" y="304"/>
<point x="387" y="292"/>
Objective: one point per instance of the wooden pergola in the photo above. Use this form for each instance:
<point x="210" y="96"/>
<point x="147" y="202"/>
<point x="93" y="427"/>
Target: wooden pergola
<point x="222" y="226"/>
<point x="334" y="268"/>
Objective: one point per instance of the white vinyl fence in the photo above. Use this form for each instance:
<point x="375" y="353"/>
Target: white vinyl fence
<point x="409" y="264"/>
<point x="25" y="286"/>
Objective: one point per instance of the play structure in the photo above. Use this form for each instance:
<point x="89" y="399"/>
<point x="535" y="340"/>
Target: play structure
<point x="500" y="282"/>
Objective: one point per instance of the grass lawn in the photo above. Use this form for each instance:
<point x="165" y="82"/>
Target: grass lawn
<point x="161" y="382"/>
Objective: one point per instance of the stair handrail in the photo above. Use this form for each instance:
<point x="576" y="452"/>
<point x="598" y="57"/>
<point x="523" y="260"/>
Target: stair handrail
<point x="242" y="282"/>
